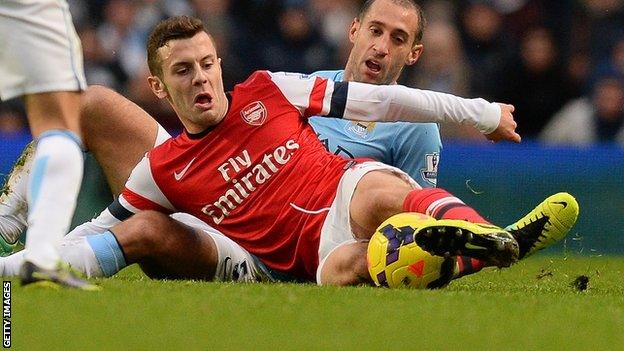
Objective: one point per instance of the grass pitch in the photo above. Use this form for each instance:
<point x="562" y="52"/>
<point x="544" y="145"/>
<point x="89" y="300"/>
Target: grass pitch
<point x="530" y="306"/>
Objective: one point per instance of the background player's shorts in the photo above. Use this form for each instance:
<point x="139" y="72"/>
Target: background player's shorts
<point x="336" y="230"/>
<point x="234" y="264"/>
<point x="39" y="48"/>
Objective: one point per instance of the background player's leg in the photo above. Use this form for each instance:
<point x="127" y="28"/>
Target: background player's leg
<point x="42" y="62"/>
<point x="117" y="132"/>
<point x="56" y="173"/>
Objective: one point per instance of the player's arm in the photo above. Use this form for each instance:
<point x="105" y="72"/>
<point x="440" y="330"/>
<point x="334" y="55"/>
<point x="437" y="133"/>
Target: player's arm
<point x="140" y="193"/>
<point x="391" y="103"/>
<point x="367" y="102"/>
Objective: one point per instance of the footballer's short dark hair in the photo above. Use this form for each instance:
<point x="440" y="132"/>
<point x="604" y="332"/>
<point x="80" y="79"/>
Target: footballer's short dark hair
<point x="179" y="27"/>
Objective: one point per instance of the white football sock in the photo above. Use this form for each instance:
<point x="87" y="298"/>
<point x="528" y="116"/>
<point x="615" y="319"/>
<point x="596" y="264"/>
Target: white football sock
<point x="80" y="256"/>
<point x="52" y="191"/>
<point x="76" y="252"/>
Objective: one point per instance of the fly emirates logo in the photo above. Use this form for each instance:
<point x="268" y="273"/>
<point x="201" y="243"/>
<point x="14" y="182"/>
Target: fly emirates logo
<point x="254" y="176"/>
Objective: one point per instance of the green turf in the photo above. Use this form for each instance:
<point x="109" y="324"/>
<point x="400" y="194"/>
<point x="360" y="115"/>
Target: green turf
<point x="531" y="306"/>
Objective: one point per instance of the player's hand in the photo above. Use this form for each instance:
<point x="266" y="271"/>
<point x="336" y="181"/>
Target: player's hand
<point x="506" y="129"/>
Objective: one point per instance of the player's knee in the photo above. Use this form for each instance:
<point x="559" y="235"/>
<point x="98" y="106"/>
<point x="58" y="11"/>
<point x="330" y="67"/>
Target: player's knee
<point x="144" y="230"/>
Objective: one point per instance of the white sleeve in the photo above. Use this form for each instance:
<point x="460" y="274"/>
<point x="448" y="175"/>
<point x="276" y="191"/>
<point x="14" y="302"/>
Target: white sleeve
<point x="98" y="225"/>
<point x="391" y="103"/>
<point x="142" y="192"/>
<point x="311" y="95"/>
<point x="367" y="102"/>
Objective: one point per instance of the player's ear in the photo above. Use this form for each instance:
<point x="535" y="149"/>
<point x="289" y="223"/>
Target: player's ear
<point x="157" y="86"/>
<point x="355" y="26"/>
<point x="414" y="54"/>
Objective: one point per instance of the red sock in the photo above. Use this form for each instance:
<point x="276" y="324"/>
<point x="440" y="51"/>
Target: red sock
<point x="440" y="204"/>
<point x="466" y="265"/>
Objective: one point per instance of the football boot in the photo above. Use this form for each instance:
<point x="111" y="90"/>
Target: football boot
<point x="546" y="224"/>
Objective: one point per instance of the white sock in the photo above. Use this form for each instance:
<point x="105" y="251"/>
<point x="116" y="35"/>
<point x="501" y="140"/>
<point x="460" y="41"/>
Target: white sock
<point x="76" y="252"/>
<point x="52" y="191"/>
<point x="80" y="256"/>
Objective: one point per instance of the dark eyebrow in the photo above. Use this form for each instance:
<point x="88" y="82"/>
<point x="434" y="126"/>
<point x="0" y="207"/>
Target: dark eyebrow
<point x="396" y="30"/>
<point x="183" y="63"/>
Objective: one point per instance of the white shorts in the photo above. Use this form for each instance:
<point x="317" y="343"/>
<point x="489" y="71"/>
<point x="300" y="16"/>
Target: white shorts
<point x="234" y="263"/>
<point x="39" y="48"/>
<point x="336" y="230"/>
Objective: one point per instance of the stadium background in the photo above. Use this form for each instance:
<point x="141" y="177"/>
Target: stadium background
<point x="545" y="57"/>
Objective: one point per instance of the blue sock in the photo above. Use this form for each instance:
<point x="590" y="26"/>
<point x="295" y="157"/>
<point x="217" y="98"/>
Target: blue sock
<point x="108" y="253"/>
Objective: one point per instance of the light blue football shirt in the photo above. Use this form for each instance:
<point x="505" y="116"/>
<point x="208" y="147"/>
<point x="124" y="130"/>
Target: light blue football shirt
<point x="412" y="147"/>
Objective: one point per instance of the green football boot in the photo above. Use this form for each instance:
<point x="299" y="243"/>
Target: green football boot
<point x="60" y="277"/>
<point x="546" y="224"/>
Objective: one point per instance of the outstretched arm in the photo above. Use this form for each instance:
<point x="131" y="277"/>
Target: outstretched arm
<point x="398" y="103"/>
<point x="391" y="103"/>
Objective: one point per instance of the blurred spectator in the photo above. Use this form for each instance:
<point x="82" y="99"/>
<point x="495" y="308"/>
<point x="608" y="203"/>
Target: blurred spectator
<point x="535" y="82"/>
<point x="613" y="64"/>
<point x="599" y="118"/>
<point x="298" y="46"/>
<point x="333" y="18"/>
<point x="120" y="39"/>
<point x="605" y="22"/>
<point x="100" y="68"/>
<point x="443" y="66"/>
<point x="486" y="45"/>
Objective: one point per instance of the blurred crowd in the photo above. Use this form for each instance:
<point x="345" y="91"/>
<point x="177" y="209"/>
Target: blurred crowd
<point x="561" y="63"/>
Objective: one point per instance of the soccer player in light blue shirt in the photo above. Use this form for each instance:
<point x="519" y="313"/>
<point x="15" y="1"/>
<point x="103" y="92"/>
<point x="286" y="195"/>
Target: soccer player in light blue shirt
<point x="379" y="54"/>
